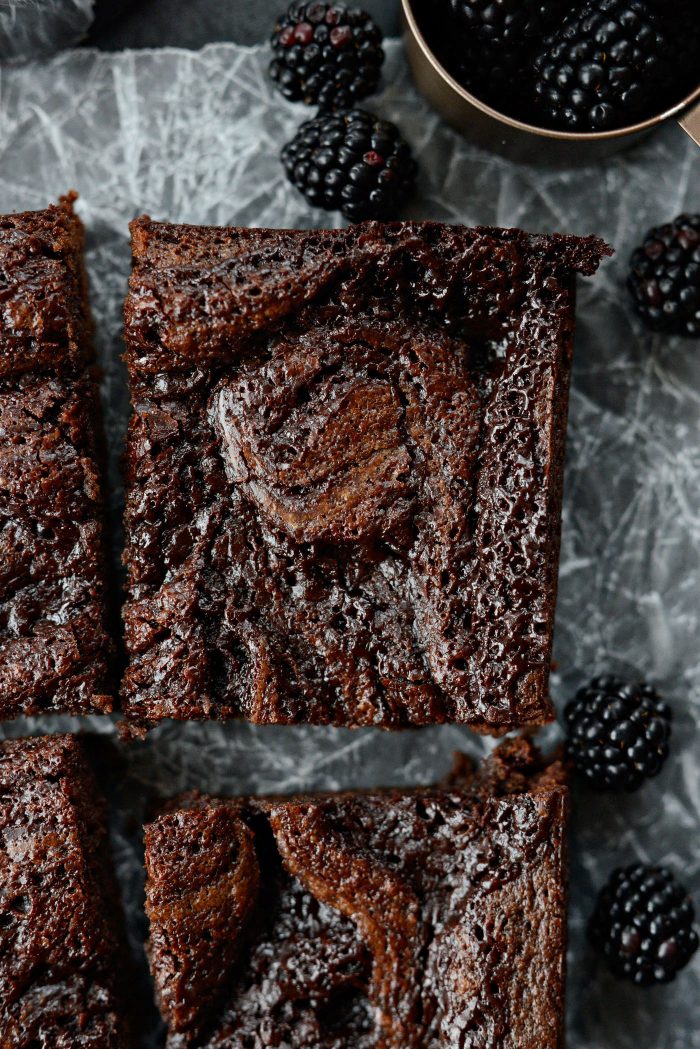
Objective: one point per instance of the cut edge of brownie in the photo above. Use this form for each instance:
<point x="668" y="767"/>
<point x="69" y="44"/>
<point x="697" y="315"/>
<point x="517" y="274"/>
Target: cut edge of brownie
<point x="194" y="302"/>
<point x="207" y="861"/>
<point x="55" y="645"/>
<point x="67" y="976"/>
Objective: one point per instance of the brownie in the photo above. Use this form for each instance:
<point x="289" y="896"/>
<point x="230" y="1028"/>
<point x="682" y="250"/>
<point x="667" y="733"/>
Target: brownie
<point x="54" y="648"/>
<point x="400" y="919"/>
<point x="59" y="940"/>
<point x="344" y="472"/>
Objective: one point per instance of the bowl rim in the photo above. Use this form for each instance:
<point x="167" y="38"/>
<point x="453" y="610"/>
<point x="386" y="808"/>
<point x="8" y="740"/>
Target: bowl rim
<point x="533" y="129"/>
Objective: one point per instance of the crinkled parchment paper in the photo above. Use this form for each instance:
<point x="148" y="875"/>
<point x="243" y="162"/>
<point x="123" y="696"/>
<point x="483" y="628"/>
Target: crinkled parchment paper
<point x="194" y="136"/>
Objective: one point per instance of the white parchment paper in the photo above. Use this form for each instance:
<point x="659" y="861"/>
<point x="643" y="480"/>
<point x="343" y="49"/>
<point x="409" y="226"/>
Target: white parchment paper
<point x="195" y="136"/>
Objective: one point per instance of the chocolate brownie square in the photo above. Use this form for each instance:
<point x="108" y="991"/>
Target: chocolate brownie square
<point x="60" y="954"/>
<point x="54" y="648"/>
<point x="345" y="471"/>
<point x="400" y="919"/>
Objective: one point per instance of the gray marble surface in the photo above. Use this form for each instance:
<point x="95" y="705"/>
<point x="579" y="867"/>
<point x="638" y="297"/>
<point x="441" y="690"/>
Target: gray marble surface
<point x="194" y="136"/>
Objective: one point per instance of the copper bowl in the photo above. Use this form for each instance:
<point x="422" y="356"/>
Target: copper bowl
<point x="513" y="138"/>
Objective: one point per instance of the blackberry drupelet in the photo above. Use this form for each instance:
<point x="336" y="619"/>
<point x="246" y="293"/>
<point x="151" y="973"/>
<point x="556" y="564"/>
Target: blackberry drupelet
<point x="606" y="66"/>
<point x="353" y="162"/>
<point x="493" y="43"/>
<point x="664" y="277"/>
<point x="681" y="24"/>
<point x="643" y="924"/>
<point x="618" y="733"/>
<point x="326" y="55"/>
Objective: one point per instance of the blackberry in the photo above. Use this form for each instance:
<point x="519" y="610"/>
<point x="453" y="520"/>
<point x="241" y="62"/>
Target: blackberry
<point x="681" y="24"/>
<point x="352" y="162"/>
<point x="664" y="277"/>
<point x="606" y="66"/>
<point x="618" y="733"/>
<point x="643" y="924"/>
<point x="326" y="55"/>
<point x="494" y="40"/>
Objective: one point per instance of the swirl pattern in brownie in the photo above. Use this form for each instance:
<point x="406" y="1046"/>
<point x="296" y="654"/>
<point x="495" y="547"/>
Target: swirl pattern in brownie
<point x="60" y="944"/>
<point x="389" y="920"/>
<point x="344" y="472"/>
<point x="54" y="648"/>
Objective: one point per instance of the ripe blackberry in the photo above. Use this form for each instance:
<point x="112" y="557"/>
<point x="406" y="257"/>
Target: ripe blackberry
<point x="494" y="40"/>
<point x="617" y="732"/>
<point x="606" y="66"/>
<point x="664" y="277"/>
<point x="681" y="24"/>
<point x="643" y="924"/>
<point x="352" y="162"/>
<point x="326" y="55"/>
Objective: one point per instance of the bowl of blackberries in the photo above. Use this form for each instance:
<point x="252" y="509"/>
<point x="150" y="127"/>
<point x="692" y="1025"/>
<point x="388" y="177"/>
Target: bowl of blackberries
<point x="571" y="73"/>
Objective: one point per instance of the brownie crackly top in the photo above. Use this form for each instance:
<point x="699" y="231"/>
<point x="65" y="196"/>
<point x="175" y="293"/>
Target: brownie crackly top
<point x="55" y="652"/>
<point x="396" y="920"/>
<point x="61" y="956"/>
<point x="344" y="472"/>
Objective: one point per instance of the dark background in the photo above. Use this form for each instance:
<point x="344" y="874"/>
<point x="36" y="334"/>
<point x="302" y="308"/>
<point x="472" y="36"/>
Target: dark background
<point x="193" y="23"/>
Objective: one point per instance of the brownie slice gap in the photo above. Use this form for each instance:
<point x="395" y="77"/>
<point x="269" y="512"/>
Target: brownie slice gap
<point x="401" y="919"/>
<point x="54" y="647"/>
<point x="344" y="472"/>
<point x="61" y="954"/>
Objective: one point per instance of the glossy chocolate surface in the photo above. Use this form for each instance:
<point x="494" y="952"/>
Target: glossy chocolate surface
<point x="54" y="650"/>
<point x="394" y="919"/>
<point x="344" y="472"/>
<point x="59" y="949"/>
